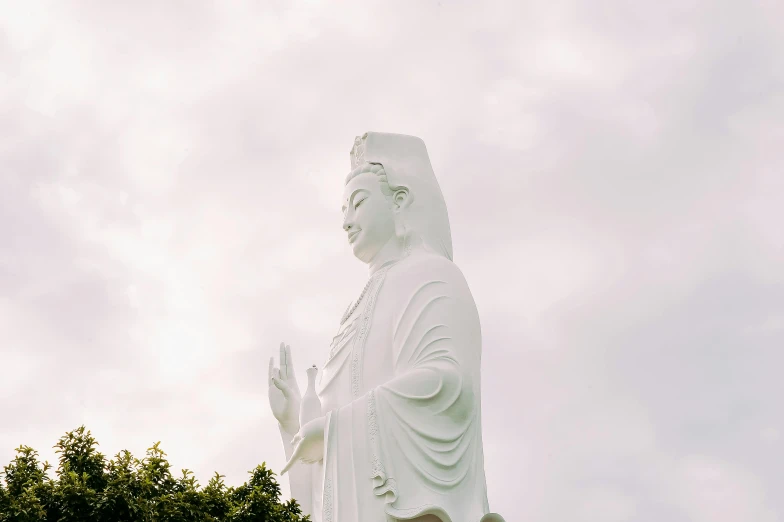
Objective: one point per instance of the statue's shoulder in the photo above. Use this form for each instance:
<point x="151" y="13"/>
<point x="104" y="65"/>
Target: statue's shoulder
<point x="423" y="267"/>
<point x="421" y="276"/>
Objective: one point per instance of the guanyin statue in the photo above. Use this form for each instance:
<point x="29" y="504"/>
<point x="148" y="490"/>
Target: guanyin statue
<point x="399" y="434"/>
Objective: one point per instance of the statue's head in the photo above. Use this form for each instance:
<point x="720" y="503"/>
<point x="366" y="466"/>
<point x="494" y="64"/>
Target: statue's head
<point x="392" y="199"/>
<point x="373" y="211"/>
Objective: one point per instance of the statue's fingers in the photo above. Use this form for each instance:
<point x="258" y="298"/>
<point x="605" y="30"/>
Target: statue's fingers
<point x="293" y="460"/>
<point x="289" y="362"/>
<point x="269" y="371"/>
<point x="287" y="466"/>
<point x="283" y="370"/>
<point x="282" y="386"/>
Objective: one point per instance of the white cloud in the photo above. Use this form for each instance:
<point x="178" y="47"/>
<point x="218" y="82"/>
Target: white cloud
<point x="710" y="490"/>
<point x="169" y="209"/>
<point x="606" y="503"/>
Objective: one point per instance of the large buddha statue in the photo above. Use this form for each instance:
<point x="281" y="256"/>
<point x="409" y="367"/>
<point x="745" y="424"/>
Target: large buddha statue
<point x="399" y="434"/>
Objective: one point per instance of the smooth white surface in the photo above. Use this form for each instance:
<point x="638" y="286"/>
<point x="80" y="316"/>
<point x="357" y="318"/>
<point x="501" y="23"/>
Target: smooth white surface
<point x="401" y="436"/>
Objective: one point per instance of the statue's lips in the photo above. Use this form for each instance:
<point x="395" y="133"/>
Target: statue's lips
<point x="352" y="236"/>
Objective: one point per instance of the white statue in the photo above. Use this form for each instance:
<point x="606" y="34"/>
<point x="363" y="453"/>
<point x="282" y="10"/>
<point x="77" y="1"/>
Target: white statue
<point x="398" y="435"/>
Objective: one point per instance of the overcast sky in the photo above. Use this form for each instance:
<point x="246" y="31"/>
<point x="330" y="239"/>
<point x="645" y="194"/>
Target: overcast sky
<point x="170" y="183"/>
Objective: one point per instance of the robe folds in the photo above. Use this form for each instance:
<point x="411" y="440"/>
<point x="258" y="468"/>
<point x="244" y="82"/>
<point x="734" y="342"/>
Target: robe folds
<point x="401" y="393"/>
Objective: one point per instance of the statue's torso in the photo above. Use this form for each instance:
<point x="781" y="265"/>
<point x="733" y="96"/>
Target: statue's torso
<point x="360" y="357"/>
<point x="375" y="347"/>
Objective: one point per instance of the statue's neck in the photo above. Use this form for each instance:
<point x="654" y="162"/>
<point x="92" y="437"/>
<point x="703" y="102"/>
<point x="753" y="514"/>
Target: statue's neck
<point x="390" y="253"/>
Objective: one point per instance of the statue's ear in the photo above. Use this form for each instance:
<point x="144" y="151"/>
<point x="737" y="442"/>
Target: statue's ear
<point x="401" y="199"/>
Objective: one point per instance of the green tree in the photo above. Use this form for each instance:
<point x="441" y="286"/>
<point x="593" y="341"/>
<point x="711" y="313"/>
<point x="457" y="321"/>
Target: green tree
<point x="5" y="500"/>
<point x="87" y="488"/>
<point x="25" y="481"/>
<point x="120" y="499"/>
<point x="216" y="499"/>
<point x="259" y="498"/>
<point x="82" y="476"/>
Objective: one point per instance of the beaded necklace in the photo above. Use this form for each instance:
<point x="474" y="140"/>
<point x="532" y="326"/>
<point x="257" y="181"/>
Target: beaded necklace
<point x="356" y="303"/>
<point x="354" y="306"/>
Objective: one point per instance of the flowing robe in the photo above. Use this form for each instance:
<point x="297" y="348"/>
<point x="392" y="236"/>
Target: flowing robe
<point x="401" y="393"/>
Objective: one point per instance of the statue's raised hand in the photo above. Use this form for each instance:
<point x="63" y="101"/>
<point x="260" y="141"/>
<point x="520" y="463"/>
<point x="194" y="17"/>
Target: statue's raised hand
<point x="284" y="395"/>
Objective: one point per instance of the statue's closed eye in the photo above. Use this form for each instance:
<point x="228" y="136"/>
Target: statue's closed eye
<point x="358" y="203"/>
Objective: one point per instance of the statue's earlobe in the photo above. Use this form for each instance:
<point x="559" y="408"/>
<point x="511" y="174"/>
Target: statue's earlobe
<point x="400" y="227"/>
<point x="401" y="198"/>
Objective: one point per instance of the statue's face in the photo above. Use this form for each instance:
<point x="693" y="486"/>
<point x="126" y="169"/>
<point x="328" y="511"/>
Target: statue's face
<point x="368" y="219"/>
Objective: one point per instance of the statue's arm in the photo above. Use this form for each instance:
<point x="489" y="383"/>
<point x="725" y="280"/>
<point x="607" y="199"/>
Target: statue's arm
<point x="436" y="339"/>
<point x="299" y="475"/>
<point x="285" y="402"/>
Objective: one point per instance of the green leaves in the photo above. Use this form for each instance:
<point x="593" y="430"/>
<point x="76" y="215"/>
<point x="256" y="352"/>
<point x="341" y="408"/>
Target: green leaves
<point x="87" y="488"/>
<point x="24" y="472"/>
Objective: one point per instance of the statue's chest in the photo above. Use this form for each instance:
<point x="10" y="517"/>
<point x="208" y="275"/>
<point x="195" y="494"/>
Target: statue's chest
<point x="343" y="340"/>
<point x="347" y="358"/>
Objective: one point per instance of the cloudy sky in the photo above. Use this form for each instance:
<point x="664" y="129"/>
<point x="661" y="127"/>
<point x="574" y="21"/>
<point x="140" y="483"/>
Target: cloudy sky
<point x="170" y="182"/>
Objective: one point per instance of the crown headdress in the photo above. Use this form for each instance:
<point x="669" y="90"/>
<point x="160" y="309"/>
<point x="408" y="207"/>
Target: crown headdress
<point x="358" y="151"/>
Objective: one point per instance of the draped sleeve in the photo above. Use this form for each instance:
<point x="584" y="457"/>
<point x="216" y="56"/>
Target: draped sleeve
<point x="422" y="431"/>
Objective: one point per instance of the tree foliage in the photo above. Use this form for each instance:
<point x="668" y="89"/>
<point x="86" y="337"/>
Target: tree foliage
<point x="87" y="488"/>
